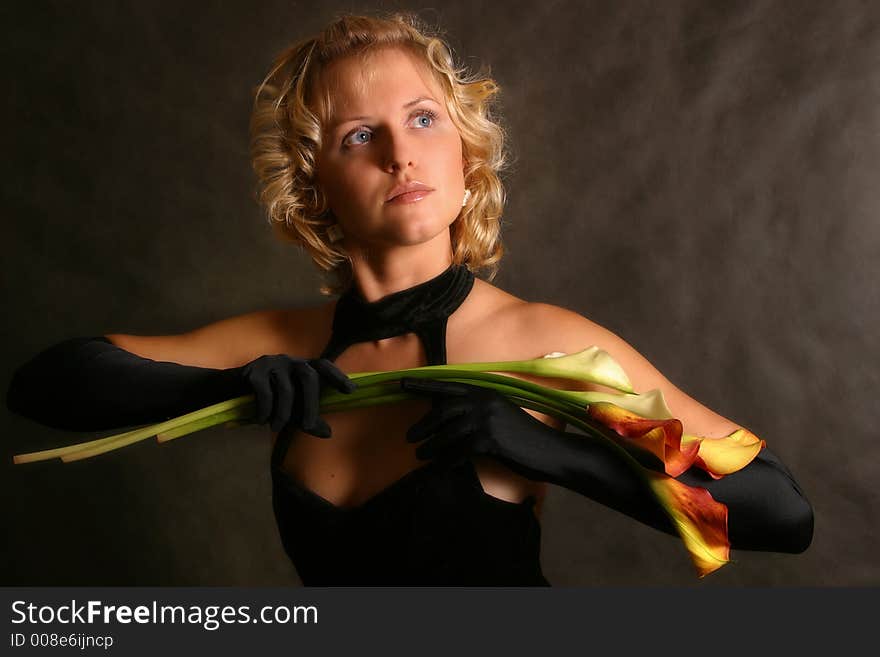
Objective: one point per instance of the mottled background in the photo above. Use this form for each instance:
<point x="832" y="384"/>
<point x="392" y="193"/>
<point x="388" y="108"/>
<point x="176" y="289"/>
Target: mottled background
<point x="695" y="176"/>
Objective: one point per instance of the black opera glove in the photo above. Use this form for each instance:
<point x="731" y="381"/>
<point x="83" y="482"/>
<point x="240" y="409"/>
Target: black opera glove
<point x="90" y="384"/>
<point x="768" y="509"/>
<point x="468" y="420"/>
<point x="288" y="389"/>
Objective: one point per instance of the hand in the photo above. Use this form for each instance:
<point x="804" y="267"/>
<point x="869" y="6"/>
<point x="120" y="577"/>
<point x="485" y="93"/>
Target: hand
<point x="287" y="390"/>
<point x="468" y="420"/>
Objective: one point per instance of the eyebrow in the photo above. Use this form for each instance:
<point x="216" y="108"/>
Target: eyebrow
<point x="414" y="101"/>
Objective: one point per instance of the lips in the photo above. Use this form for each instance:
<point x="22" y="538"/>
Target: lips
<point x="410" y="191"/>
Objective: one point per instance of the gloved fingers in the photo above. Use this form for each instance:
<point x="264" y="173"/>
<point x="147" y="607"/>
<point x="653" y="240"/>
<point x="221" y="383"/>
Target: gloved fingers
<point x="433" y="421"/>
<point x="283" y="399"/>
<point x="308" y="389"/>
<point x="434" y="386"/>
<point x="307" y="403"/>
<point x="337" y="378"/>
<point x="448" y="442"/>
<point x="263" y="396"/>
<point x="322" y="429"/>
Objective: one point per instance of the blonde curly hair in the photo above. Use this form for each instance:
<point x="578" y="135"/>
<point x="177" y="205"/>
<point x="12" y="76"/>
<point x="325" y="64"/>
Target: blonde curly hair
<point x="291" y="106"/>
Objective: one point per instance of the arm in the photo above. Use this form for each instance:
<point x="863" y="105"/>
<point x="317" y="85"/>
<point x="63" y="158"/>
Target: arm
<point x="767" y="509"/>
<point x="92" y="384"/>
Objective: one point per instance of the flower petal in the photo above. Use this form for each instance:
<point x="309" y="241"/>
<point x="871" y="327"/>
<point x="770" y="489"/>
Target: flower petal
<point x="591" y="364"/>
<point x="659" y="436"/>
<point x="649" y="404"/>
<point x="721" y="456"/>
<point x="701" y="521"/>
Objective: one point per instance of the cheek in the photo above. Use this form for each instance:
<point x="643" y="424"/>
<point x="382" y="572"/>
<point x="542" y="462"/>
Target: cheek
<point x="455" y="164"/>
<point x="451" y="159"/>
<point x="346" y="184"/>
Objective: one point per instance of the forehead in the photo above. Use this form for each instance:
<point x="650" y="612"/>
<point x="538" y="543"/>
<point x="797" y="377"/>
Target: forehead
<point x="361" y="84"/>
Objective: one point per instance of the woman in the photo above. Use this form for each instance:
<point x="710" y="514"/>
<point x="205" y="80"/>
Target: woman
<point x="382" y="161"/>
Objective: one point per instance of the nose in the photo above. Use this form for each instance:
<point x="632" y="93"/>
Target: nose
<point x="398" y="151"/>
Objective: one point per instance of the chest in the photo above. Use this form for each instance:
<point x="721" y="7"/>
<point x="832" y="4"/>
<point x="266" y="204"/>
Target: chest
<point x="368" y="452"/>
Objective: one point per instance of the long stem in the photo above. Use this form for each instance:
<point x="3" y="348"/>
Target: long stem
<point x="469" y="375"/>
<point x="233" y="414"/>
<point x="373" y="389"/>
<point x="109" y="443"/>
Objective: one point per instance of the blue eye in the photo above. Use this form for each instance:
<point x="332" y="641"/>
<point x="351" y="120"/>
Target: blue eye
<point x="356" y="134"/>
<point x="427" y="116"/>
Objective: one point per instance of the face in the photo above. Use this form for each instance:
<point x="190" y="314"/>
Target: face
<point x="390" y="127"/>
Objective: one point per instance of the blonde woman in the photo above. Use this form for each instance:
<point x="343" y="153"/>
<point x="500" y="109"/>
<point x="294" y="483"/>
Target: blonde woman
<point x="381" y="159"/>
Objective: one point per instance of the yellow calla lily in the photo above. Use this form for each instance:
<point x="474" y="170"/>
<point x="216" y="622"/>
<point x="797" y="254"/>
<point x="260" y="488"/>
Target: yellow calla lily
<point x="661" y="437"/>
<point x="701" y="521"/>
<point x="721" y="456"/>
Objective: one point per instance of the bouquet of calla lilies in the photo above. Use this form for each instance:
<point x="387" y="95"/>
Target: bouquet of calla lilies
<point x="641" y="427"/>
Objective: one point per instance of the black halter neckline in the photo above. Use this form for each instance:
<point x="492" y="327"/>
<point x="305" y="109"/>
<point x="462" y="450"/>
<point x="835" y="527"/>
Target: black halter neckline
<point x="421" y="309"/>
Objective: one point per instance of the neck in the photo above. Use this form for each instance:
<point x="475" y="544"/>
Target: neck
<point x="421" y="308"/>
<point x="377" y="277"/>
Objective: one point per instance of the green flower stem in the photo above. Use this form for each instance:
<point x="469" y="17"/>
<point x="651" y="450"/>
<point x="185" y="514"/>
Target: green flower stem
<point x="591" y="365"/>
<point x="46" y="454"/>
<point x="469" y="375"/>
<point x="373" y="389"/>
<point x="109" y="443"/>
<point x="222" y="417"/>
<point x="368" y="400"/>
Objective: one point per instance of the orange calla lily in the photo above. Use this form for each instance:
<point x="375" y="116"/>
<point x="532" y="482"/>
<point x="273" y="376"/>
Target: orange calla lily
<point x="661" y="437"/>
<point x="700" y="519"/>
<point x="664" y="438"/>
<point x="721" y="456"/>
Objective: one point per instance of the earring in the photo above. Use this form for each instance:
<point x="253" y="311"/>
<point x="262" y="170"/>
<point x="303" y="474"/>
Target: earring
<point x="334" y="232"/>
<point x="467" y="197"/>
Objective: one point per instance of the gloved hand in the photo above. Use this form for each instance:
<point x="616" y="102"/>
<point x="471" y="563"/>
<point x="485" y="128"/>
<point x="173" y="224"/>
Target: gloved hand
<point x="287" y="390"/>
<point x="767" y="509"/>
<point x="90" y="384"/>
<point x="467" y="420"/>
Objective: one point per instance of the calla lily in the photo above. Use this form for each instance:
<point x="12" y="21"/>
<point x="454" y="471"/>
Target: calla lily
<point x="660" y="437"/>
<point x="636" y="422"/>
<point x="656" y="431"/>
<point x="649" y="404"/>
<point x="701" y="521"/>
<point x="596" y="363"/>
<point x="591" y="365"/>
<point x="722" y="456"/>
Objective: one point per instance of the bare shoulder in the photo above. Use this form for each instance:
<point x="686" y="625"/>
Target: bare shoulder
<point x="554" y="328"/>
<point x="235" y="341"/>
<point x="514" y="328"/>
<point x="485" y="324"/>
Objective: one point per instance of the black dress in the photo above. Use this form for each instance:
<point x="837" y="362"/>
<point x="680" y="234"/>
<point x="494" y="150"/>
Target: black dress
<point x="435" y="526"/>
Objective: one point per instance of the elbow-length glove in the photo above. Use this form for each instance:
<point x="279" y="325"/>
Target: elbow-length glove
<point x="766" y="508"/>
<point x="90" y="384"/>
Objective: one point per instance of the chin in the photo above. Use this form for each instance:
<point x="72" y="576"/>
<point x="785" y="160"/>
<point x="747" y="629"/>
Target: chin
<point x="415" y="220"/>
<point x="419" y="233"/>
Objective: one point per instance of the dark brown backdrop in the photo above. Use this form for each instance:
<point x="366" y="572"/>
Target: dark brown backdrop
<point x="698" y="177"/>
